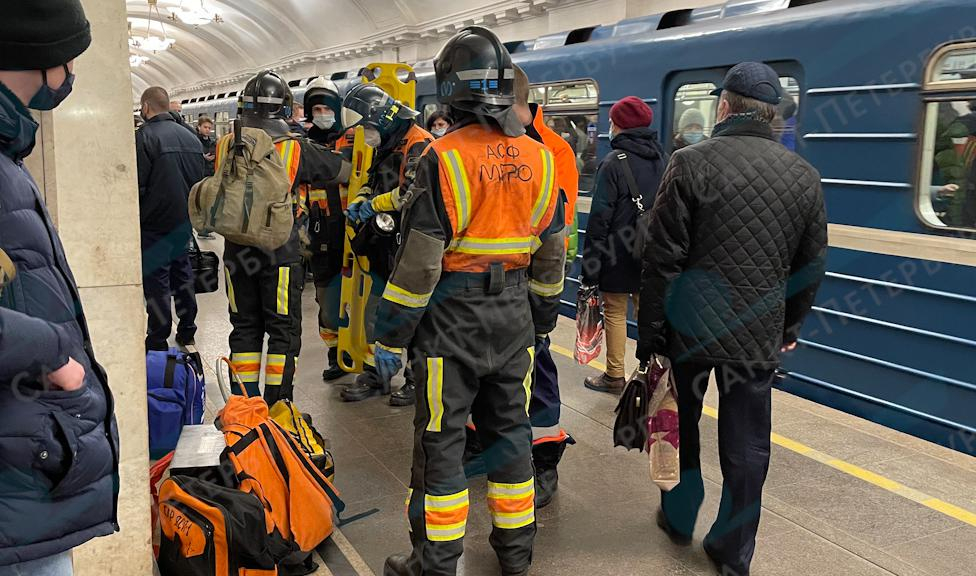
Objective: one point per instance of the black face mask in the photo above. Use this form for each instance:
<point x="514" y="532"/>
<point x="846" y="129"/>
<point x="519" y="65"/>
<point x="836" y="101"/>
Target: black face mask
<point x="48" y="98"/>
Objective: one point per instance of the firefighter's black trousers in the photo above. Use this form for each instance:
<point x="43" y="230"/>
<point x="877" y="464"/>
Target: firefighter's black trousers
<point x="473" y="354"/>
<point x="264" y="295"/>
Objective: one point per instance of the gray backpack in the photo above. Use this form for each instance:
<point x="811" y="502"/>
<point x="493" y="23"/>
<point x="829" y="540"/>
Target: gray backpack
<point x="249" y="202"/>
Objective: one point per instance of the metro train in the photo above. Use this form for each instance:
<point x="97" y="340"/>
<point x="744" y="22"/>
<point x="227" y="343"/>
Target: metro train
<point x="878" y="85"/>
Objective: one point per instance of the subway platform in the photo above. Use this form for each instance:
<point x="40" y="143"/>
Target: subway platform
<point x="844" y="496"/>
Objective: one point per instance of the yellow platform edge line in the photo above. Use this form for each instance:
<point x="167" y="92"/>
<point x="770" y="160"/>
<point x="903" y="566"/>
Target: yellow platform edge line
<point x="892" y="486"/>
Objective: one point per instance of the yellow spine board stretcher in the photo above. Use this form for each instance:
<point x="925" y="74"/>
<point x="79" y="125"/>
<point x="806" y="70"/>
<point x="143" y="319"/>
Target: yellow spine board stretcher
<point x="356" y="281"/>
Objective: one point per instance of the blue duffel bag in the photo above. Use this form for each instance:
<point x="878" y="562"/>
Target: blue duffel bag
<point x="177" y="392"/>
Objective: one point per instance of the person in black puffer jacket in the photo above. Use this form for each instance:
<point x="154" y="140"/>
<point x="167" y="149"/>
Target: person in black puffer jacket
<point x="59" y="443"/>
<point x="737" y="248"/>
<point x="609" y="258"/>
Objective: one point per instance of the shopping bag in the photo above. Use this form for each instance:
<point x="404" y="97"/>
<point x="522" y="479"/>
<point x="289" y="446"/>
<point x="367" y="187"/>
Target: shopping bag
<point x="662" y="426"/>
<point x="589" y="325"/>
<point x="633" y="411"/>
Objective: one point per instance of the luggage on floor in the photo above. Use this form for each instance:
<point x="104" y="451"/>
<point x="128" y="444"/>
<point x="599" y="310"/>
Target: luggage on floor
<point x="210" y="530"/>
<point x="269" y="463"/>
<point x="589" y="325"/>
<point x="177" y="394"/>
<point x="299" y="425"/>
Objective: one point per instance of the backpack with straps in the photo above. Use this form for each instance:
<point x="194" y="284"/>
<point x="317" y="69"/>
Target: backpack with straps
<point x="249" y="201"/>
<point x="642" y="232"/>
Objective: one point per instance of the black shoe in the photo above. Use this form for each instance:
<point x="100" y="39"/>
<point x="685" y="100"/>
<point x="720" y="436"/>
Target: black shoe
<point x="333" y="373"/>
<point x="721" y="568"/>
<point x="675" y="536"/>
<point x="397" y="565"/>
<point x="604" y="383"/>
<point x="405" y="396"/>
<point x="368" y="384"/>
<point x="546" y="485"/>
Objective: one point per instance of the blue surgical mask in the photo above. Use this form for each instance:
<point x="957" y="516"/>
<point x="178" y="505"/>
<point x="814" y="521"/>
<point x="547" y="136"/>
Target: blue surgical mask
<point x="48" y="98"/>
<point x="438" y="132"/>
<point x="693" y="137"/>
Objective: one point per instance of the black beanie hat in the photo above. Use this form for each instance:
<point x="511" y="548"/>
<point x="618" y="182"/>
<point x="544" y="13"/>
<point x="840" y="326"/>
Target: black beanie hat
<point x="41" y="34"/>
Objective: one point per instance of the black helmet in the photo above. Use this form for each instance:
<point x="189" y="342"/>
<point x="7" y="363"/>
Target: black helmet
<point x="266" y="103"/>
<point x="369" y="105"/>
<point x="475" y="73"/>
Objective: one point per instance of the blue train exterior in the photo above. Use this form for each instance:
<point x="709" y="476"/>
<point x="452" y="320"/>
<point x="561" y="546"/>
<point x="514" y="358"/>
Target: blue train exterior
<point x="893" y="334"/>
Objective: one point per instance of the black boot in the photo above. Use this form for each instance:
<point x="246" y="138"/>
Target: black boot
<point x="405" y="396"/>
<point x="333" y="372"/>
<point x="546" y="457"/>
<point x="398" y="565"/>
<point x="368" y="384"/>
<point x="675" y="536"/>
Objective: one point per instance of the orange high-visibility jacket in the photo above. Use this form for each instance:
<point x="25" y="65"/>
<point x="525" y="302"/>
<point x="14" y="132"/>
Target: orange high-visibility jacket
<point x="567" y="174"/>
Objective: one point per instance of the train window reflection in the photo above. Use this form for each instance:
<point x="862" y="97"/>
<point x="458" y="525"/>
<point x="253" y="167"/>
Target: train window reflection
<point x="947" y="194"/>
<point x="537" y="94"/>
<point x="694" y="114"/>
<point x="784" y="125"/>
<point x="580" y="131"/>
<point x="569" y="94"/>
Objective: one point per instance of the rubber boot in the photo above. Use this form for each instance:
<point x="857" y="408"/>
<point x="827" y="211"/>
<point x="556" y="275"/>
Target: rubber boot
<point x="368" y="384"/>
<point x="546" y="457"/>
<point x="333" y="372"/>
<point x="398" y="565"/>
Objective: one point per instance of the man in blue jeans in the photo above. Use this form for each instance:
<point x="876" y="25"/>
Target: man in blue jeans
<point x="58" y="438"/>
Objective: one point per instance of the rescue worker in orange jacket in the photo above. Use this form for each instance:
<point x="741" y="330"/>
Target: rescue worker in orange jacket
<point x="549" y="440"/>
<point x="474" y="285"/>
<point x="264" y="289"/>
<point x="326" y="223"/>
<point x="399" y="142"/>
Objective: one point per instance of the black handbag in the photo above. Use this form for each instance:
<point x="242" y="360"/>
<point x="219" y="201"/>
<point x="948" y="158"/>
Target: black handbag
<point x="206" y="270"/>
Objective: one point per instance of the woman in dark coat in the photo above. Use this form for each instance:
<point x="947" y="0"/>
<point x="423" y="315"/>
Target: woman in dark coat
<point x="609" y="257"/>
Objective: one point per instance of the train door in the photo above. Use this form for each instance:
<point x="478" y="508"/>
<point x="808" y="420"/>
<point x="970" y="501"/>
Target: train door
<point x="571" y="109"/>
<point x="690" y="109"/>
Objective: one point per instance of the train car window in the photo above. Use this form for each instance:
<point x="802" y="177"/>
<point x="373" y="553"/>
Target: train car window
<point x="694" y="114"/>
<point x="537" y="94"/>
<point x="572" y="94"/>
<point x="947" y="186"/>
<point x="784" y="125"/>
<point x="580" y="131"/>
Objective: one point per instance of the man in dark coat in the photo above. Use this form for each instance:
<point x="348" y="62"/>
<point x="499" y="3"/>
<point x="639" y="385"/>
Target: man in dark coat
<point x="58" y="437"/>
<point x="736" y="254"/>
<point x="170" y="161"/>
<point x="630" y="172"/>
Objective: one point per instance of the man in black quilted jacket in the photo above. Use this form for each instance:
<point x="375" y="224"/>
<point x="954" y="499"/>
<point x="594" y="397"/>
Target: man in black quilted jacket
<point x="736" y="254"/>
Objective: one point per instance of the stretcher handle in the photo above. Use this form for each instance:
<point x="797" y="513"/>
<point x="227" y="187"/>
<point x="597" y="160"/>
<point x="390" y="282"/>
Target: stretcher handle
<point x="225" y="390"/>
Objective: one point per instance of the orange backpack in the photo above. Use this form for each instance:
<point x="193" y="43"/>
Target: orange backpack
<point x="269" y="463"/>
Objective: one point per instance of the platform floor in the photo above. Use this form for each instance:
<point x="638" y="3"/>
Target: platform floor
<point x="844" y="496"/>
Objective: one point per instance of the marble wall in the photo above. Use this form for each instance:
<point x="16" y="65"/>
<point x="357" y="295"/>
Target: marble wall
<point x="85" y="163"/>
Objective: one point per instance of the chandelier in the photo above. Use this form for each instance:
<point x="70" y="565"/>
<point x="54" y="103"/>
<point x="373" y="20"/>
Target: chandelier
<point x="136" y="60"/>
<point x="194" y="16"/>
<point x="151" y="42"/>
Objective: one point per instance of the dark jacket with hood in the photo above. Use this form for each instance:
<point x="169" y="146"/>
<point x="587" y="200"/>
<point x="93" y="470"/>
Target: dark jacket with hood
<point x="736" y="253"/>
<point x="609" y="259"/>
<point x="58" y="450"/>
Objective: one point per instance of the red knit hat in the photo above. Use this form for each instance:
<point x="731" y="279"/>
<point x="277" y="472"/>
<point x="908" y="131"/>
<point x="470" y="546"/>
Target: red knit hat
<point x="631" y="112"/>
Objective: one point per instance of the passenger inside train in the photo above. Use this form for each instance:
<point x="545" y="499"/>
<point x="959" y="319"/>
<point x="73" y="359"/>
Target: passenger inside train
<point x="480" y="288"/>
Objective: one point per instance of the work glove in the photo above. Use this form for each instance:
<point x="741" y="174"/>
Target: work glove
<point x="388" y="361"/>
<point x="360" y="211"/>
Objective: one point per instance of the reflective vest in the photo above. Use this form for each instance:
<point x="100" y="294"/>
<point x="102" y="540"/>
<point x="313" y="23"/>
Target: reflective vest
<point x="499" y="194"/>
<point x="290" y="151"/>
<point x="567" y="174"/>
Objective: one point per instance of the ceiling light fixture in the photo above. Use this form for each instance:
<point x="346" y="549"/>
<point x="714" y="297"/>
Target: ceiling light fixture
<point x="150" y="42"/>
<point x="136" y="60"/>
<point x="197" y="16"/>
